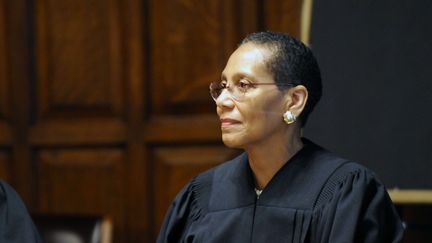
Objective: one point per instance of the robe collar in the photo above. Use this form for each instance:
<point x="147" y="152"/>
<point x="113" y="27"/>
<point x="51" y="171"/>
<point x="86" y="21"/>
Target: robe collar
<point x="233" y="182"/>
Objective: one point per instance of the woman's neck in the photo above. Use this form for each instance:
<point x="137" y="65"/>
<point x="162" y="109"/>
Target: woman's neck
<point x="266" y="159"/>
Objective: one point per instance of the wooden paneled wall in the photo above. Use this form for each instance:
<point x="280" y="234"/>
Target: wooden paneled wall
<point x="104" y="104"/>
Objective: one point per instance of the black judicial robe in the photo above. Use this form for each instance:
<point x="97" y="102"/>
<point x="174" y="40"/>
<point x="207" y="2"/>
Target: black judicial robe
<point x="315" y="197"/>
<point x="16" y="225"/>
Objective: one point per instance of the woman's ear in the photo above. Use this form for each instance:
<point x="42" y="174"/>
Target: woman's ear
<point x="296" y="99"/>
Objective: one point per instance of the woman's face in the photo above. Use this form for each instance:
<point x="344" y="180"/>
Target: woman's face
<point x="257" y="118"/>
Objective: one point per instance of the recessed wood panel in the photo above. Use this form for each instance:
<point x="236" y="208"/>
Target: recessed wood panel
<point x="82" y="181"/>
<point x="90" y="177"/>
<point x="181" y="129"/>
<point x="189" y="43"/>
<point x="79" y="59"/>
<point x="176" y="166"/>
<point x="5" y="160"/>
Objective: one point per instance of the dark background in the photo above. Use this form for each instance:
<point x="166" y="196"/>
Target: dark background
<point x="375" y="58"/>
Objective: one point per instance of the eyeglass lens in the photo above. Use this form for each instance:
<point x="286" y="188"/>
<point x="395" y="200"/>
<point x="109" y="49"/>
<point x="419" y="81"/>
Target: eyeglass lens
<point x="216" y="89"/>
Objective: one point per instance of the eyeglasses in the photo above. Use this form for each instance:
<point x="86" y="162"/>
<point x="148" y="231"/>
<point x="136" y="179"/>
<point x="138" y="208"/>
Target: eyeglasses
<point x="238" y="90"/>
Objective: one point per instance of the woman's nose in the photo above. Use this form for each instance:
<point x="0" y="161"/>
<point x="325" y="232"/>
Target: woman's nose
<point x="225" y="99"/>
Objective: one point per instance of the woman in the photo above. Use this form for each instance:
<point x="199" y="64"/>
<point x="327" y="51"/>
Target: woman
<point x="283" y="188"/>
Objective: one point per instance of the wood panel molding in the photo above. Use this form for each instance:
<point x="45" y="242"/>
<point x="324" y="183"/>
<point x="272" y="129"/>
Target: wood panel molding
<point x="4" y="79"/>
<point x="411" y="196"/>
<point x="79" y="58"/>
<point x="306" y="21"/>
<point x="78" y="132"/>
<point x="138" y="211"/>
<point x="171" y="129"/>
<point x="5" y="88"/>
<point x="19" y="39"/>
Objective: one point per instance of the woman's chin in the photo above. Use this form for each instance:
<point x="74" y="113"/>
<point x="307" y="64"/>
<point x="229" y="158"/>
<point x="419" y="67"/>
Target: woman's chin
<point x="231" y="141"/>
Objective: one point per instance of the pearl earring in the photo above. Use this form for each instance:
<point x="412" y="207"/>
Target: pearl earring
<point x="289" y="117"/>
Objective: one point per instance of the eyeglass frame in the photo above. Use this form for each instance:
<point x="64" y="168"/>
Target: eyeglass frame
<point x="252" y="84"/>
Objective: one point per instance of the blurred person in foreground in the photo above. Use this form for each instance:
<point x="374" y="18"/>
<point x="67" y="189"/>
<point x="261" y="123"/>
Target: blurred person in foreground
<point x="283" y="188"/>
<point x="16" y="225"/>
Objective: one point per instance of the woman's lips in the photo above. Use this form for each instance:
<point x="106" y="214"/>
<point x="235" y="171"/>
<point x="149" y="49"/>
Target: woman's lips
<point x="225" y="122"/>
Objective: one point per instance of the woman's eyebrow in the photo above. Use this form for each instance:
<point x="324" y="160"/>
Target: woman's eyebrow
<point x="249" y="77"/>
<point x="240" y="75"/>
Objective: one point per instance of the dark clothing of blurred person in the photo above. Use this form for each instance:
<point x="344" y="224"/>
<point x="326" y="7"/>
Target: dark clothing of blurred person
<point x="16" y="225"/>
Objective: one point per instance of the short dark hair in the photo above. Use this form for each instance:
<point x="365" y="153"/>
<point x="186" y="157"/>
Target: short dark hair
<point x="291" y="62"/>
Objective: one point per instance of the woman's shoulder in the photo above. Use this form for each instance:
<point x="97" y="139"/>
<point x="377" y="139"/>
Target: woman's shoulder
<point x="353" y="202"/>
<point x="349" y="178"/>
<point x="335" y="173"/>
<point x="335" y="166"/>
